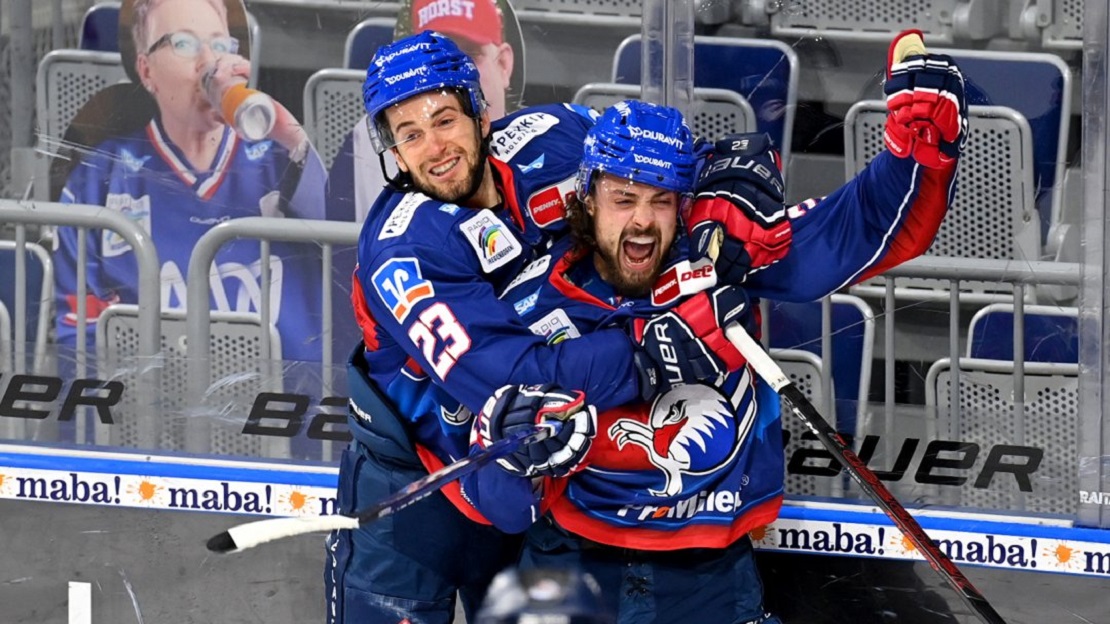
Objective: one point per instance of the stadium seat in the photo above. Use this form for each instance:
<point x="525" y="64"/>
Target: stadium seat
<point x="364" y="40"/>
<point x="715" y="112"/>
<point x="864" y="21"/>
<point x="804" y="370"/>
<point x="852" y="330"/>
<point x="39" y="298"/>
<point x="241" y="367"/>
<point x="996" y="165"/>
<point x="1044" y="100"/>
<point x="763" y="72"/>
<point x="987" y="417"/>
<point x="1051" y="333"/>
<point x="100" y="28"/>
<point x="332" y="106"/>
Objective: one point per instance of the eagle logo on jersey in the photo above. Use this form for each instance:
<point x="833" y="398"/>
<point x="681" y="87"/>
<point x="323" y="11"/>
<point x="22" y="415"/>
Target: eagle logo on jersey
<point x="691" y="430"/>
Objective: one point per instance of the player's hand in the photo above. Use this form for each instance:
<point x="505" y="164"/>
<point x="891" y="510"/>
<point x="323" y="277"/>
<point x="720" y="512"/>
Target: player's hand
<point x="739" y="215"/>
<point x="687" y="344"/>
<point x="926" y="103"/>
<point x="521" y="408"/>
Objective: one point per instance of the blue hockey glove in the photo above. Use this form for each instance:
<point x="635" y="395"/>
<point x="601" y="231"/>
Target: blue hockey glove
<point x="739" y="214"/>
<point x="515" y="408"/>
<point x="687" y="344"/>
<point x="926" y="103"/>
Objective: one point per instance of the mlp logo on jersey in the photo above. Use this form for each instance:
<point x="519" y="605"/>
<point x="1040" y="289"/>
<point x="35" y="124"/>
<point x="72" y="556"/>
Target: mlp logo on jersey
<point x="491" y="240"/>
<point x="400" y="285"/>
<point x="549" y="205"/>
<point x="691" y="431"/>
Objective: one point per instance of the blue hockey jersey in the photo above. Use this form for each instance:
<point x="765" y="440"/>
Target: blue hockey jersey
<point x="699" y="466"/>
<point x="146" y="177"/>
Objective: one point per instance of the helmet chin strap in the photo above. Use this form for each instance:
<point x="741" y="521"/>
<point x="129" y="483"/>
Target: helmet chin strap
<point x="402" y="182"/>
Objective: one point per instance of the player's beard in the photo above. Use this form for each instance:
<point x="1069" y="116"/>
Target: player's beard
<point x="460" y="190"/>
<point x="626" y="281"/>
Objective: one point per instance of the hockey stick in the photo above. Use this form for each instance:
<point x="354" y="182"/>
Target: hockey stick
<point x="766" y="368"/>
<point x="252" y="534"/>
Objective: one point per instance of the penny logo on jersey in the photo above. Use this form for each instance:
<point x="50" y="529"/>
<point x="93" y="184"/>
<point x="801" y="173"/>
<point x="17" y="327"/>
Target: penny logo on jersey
<point x="690" y="431"/>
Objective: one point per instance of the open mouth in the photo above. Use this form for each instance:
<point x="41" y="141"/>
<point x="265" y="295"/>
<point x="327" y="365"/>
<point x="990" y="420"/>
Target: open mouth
<point x="638" y="251"/>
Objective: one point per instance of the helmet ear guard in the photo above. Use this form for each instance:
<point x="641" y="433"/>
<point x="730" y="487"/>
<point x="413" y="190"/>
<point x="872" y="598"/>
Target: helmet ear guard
<point x="424" y="62"/>
<point x="646" y="143"/>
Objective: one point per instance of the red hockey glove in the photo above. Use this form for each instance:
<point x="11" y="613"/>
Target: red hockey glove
<point x="739" y="215"/>
<point x="687" y="344"/>
<point x="516" y="408"/>
<point x="926" y="104"/>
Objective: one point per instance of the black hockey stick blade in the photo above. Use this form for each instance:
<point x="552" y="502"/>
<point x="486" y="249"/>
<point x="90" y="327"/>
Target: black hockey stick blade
<point x="766" y="368"/>
<point x="252" y="534"/>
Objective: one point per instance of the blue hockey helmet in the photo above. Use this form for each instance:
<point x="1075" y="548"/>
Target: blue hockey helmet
<point x="543" y="595"/>
<point x="417" y="64"/>
<point x="646" y="143"/>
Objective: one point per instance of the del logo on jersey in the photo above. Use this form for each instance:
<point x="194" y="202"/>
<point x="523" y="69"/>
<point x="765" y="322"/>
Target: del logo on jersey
<point x="400" y="285"/>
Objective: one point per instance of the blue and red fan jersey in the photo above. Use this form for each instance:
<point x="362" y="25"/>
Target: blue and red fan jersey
<point x="145" y="177"/>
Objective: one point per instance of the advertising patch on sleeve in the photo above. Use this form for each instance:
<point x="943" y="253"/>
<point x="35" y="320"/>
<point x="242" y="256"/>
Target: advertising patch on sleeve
<point x="683" y="278"/>
<point x="506" y="142"/>
<point x="400" y="285"/>
<point x="555" y="327"/>
<point x="549" y="205"/>
<point x="401" y="216"/>
<point x="491" y="239"/>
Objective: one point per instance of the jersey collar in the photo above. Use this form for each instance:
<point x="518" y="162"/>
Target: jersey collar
<point x="204" y="183"/>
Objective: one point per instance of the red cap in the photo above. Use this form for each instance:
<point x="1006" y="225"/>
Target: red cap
<point x="478" y="21"/>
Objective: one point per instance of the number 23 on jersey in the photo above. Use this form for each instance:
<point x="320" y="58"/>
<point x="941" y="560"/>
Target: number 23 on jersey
<point x="436" y="332"/>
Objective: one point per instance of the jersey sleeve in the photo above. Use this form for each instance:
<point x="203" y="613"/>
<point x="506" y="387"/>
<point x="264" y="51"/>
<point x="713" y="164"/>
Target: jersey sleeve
<point x="304" y="184"/>
<point x="435" y="302"/>
<point x="511" y="503"/>
<point x="87" y="184"/>
<point x="887" y="214"/>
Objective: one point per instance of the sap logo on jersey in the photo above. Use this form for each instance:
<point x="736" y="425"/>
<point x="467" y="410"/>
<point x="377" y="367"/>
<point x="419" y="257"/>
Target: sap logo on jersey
<point x="136" y="210"/>
<point x="401" y="216"/>
<point x="549" y="205"/>
<point x="491" y="240"/>
<point x="525" y="305"/>
<point x="555" y="327"/>
<point x="691" y="431"/>
<point x="258" y="150"/>
<point x="400" y="285"/>
<point x="505" y="143"/>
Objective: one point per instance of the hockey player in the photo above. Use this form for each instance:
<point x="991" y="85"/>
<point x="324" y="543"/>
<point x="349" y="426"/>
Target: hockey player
<point x="187" y="171"/>
<point x="660" y="506"/>
<point x="438" y="341"/>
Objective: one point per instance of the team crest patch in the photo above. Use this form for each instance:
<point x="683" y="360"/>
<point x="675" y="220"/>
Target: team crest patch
<point x="491" y="239"/>
<point x="401" y="216"/>
<point x="692" y="431"/>
<point x="555" y="327"/>
<point x="400" y="285"/>
<point x="508" y="141"/>
<point x="137" y="210"/>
